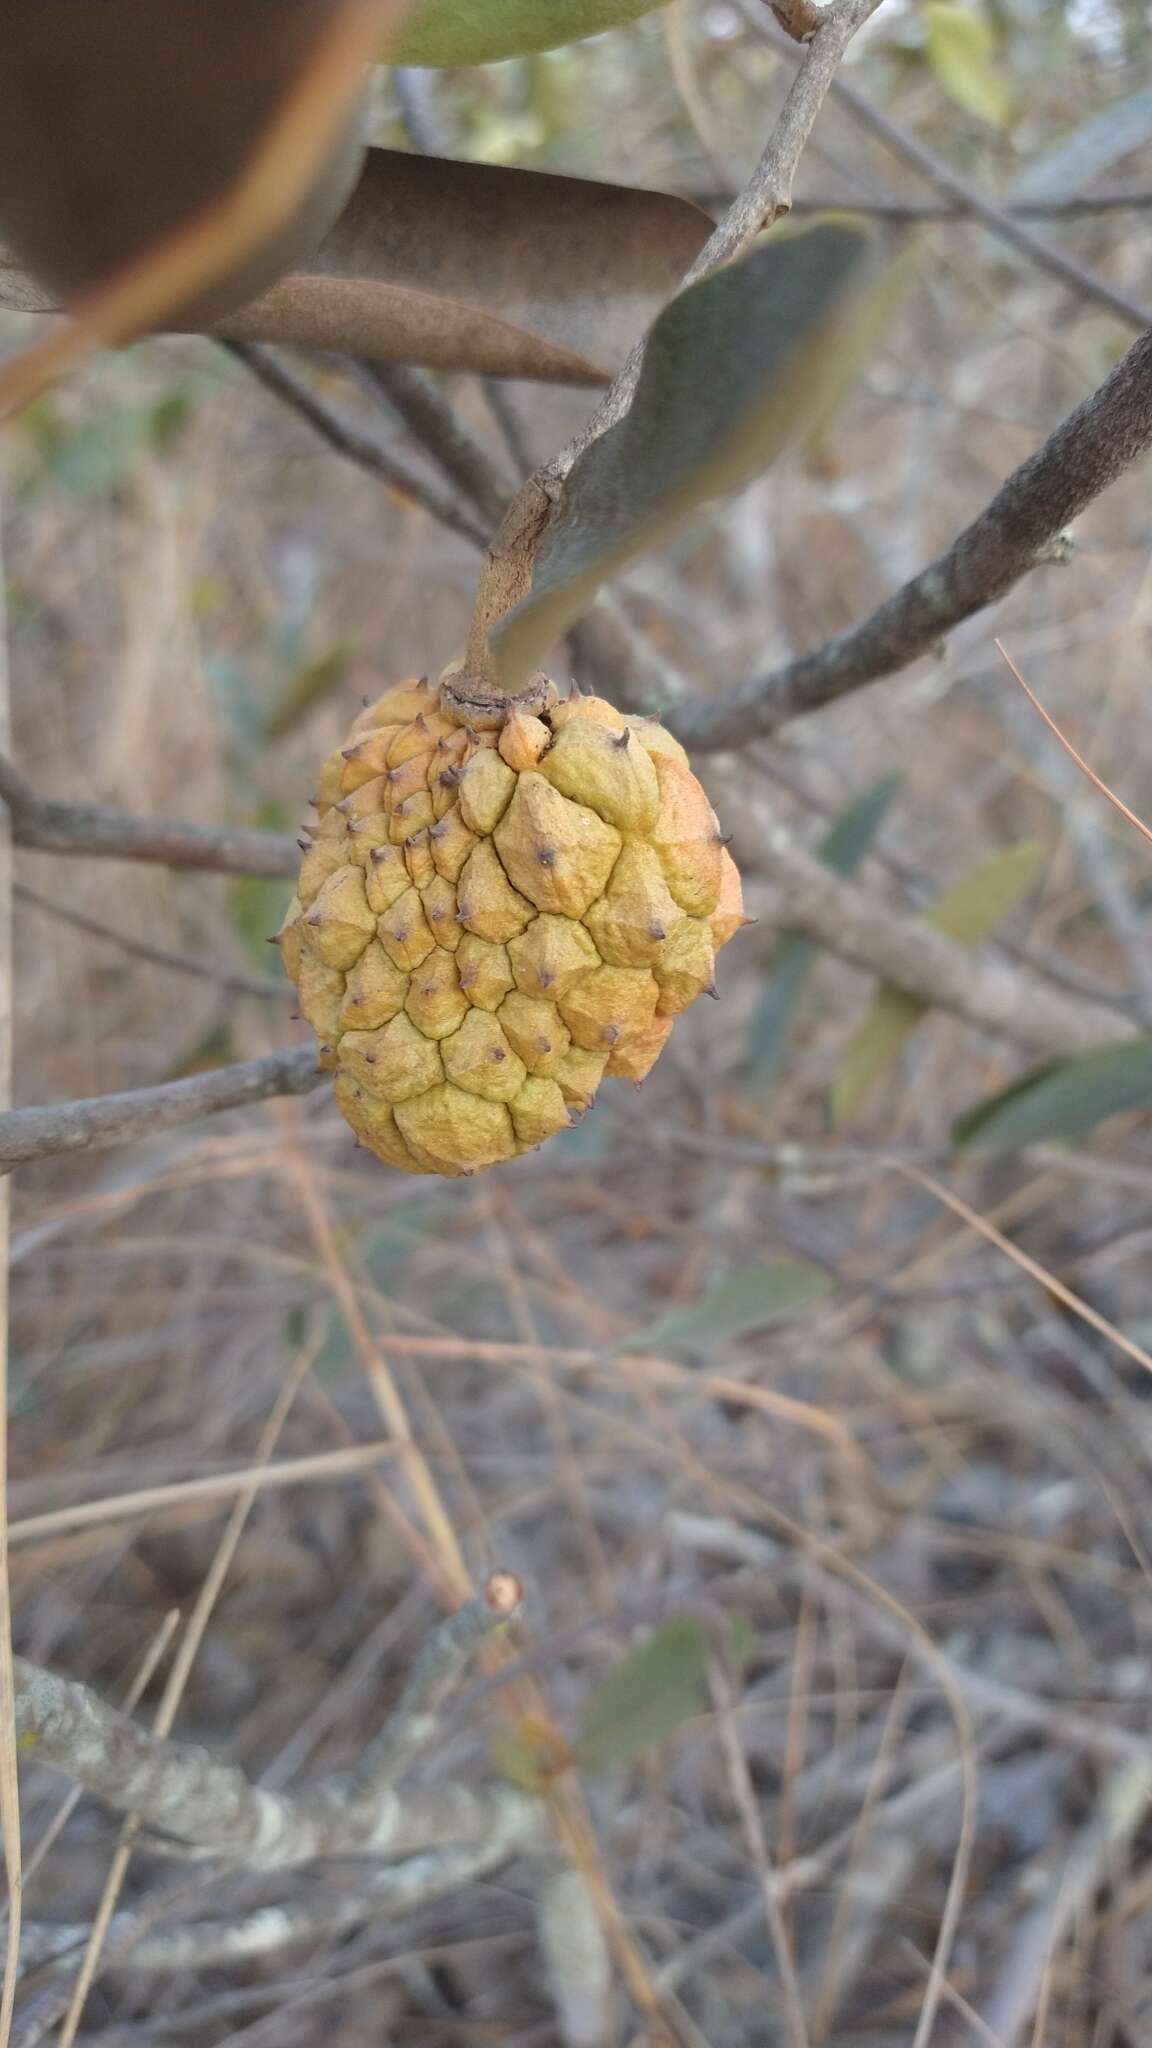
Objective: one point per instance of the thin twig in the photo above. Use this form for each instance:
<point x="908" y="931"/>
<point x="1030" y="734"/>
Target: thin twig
<point x="1007" y="228"/>
<point x="1097" y="442"/>
<point x="756" y="1843"/>
<point x="513" y="430"/>
<point x="439" y="429"/>
<point x="49" y="827"/>
<point x="1070" y="750"/>
<point x="27" y="1134"/>
<point x="767" y="195"/>
<point x="156" y="956"/>
<point x="182" y="1493"/>
<point x="1136" y="198"/>
<point x="1041" y="1274"/>
<point x="348" y="438"/>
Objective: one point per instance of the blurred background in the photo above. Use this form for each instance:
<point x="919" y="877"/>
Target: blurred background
<point x="707" y="1351"/>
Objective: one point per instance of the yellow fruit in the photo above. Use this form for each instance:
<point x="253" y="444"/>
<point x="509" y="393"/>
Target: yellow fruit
<point x="489" y="921"/>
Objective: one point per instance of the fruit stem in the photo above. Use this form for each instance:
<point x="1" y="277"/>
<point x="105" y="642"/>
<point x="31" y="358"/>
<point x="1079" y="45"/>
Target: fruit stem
<point x="505" y="578"/>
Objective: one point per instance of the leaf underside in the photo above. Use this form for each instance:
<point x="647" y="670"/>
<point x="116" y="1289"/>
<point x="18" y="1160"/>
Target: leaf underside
<point x="454" y="266"/>
<point x="735" y="367"/>
<point x="1065" y="1100"/>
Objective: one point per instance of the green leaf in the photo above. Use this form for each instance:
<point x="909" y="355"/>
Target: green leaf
<point x="1063" y="1100"/>
<point x="648" y="1695"/>
<point x="746" y="1300"/>
<point x="963" y="50"/>
<point x="735" y="367"/>
<point x="968" y="913"/>
<point x="973" y="907"/>
<point x="843" y="849"/>
<point x="444" y="32"/>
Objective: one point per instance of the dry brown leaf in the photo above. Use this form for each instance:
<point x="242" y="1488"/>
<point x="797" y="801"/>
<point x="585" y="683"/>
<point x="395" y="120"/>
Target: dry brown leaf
<point x="120" y="122"/>
<point x="286" y="157"/>
<point x="474" y="267"/>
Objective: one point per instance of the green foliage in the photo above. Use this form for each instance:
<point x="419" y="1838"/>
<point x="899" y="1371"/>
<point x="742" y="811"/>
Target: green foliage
<point x="746" y="1300"/>
<point x="446" y="32"/>
<point x="964" y="52"/>
<point x="843" y="849"/>
<point x="646" y="1697"/>
<point x="968" y="912"/>
<point x="735" y="368"/>
<point x="1063" y="1100"/>
<point x="91" y="458"/>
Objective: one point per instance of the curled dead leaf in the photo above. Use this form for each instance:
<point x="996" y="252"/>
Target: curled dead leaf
<point x="121" y="122"/>
<point x="471" y="267"/>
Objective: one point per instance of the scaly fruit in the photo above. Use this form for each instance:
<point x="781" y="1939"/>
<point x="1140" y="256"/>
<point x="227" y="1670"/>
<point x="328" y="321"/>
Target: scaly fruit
<point x="488" y="921"/>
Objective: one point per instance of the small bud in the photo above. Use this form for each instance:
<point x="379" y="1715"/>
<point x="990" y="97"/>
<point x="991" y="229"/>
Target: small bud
<point x="503" y="1592"/>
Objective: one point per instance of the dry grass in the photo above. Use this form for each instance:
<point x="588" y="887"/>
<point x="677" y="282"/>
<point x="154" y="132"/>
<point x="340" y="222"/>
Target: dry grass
<point x="925" y="1496"/>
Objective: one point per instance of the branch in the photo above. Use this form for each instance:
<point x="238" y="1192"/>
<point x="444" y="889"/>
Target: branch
<point x="1025" y="521"/>
<point x="1135" y="198"/>
<point x="1045" y="255"/>
<point x="436" y="425"/>
<point x="97" y="1120"/>
<point x="105" y="834"/>
<point x="347" y="438"/>
<point x="211" y="1807"/>
<point x="807" y="896"/>
<point x="135" y="1945"/>
<point x="156" y="956"/>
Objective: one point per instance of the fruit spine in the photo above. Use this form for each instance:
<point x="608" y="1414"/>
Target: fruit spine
<point x="496" y="911"/>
